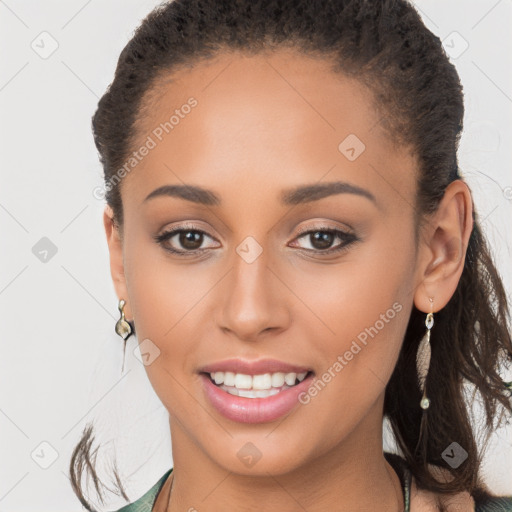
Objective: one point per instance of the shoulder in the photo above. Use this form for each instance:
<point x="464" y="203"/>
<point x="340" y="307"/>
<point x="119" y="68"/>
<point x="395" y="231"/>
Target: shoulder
<point x="426" y="501"/>
<point x="481" y="500"/>
<point x="493" y="504"/>
<point x="422" y="500"/>
<point x="147" y="500"/>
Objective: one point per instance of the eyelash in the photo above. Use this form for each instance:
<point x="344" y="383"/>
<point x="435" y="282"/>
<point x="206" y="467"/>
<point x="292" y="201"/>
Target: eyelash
<point x="348" y="238"/>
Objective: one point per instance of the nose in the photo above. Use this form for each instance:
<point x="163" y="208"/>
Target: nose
<point x="252" y="301"/>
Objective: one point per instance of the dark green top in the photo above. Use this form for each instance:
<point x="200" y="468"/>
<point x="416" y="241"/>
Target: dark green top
<point x="482" y="504"/>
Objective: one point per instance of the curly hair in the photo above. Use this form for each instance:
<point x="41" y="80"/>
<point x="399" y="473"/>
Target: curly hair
<point x="417" y="92"/>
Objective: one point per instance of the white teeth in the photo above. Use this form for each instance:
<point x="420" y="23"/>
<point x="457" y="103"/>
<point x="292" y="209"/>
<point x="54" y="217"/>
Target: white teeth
<point x="243" y="381"/>
<point x="231" y="391"/>
<point x="262" y="382"/>
<point x="290" y="378"/>
<point x="229" y="378"/>
<point x="277" y="379"/>
<point x="301" y="376"/>
<point x="250" y="393"/>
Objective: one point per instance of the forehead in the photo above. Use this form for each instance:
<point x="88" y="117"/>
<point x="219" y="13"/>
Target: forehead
<point x="279" y="118"/>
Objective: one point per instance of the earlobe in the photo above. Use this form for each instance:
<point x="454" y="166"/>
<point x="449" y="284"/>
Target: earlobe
<point x="443" y="247"/>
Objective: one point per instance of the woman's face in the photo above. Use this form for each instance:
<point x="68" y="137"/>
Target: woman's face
<point x="246" y="282"/>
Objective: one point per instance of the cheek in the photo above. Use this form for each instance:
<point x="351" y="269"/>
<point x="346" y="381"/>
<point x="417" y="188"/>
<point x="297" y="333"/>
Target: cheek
<point x="363" y="311"/>
<point x="168" y="302"/>
<point x="164" y="304"/>
<point x="359" y="309"/>
<point x="162" y="290"/>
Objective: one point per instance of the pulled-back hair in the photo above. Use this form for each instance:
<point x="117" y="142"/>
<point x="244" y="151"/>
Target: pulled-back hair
<point x="417" y="91"/>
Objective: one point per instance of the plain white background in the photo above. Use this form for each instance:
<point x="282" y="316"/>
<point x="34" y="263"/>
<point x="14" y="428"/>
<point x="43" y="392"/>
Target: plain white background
<point x="60" y="361"/>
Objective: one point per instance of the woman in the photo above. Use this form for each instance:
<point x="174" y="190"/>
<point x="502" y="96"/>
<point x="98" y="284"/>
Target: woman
<point x="291" y="237"/>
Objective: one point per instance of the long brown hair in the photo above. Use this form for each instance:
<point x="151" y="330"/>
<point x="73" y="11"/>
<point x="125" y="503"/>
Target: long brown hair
<point x="386" y="46"/>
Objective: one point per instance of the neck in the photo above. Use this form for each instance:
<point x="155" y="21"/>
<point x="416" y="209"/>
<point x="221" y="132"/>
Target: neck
<point x="353" y="476"/>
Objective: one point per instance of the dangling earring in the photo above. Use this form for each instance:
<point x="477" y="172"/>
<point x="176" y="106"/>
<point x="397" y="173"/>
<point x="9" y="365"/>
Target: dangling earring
<point x="423" y="358"/>
<point x="123" y="328"/>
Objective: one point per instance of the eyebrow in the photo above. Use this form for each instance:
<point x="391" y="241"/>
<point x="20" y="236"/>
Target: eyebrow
<point x="307" y="193"/>
<point x="189" y="192"/>
<point x="298" y="195"/>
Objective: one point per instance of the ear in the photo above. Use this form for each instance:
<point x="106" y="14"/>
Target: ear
<point x="443" y="245"/>
<point x="115" y="248"/>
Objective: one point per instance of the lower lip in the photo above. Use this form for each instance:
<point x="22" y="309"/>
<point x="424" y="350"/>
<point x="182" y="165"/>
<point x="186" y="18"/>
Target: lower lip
<point x="254" y="410"/>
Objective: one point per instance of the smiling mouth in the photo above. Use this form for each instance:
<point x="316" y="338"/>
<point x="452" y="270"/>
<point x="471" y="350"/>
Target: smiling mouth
<point x="256" y="386"/>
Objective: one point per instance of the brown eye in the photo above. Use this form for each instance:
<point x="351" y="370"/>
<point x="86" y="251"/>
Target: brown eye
<point x="323" y="241"/>
<point x="185" y="241"/>
<point x="190" y="240"/>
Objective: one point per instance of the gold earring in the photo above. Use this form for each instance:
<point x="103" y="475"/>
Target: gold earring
<point x="123" y="328"/>
<point x="423" y="358"/>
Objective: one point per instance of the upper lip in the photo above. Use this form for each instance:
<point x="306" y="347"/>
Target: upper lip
<point x="256" y="367"/>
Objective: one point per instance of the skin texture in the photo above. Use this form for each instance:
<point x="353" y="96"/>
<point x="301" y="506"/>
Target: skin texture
<point x="263" y="124"/>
